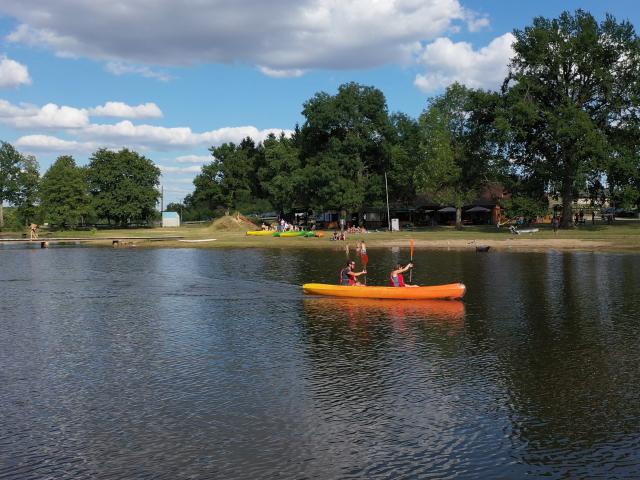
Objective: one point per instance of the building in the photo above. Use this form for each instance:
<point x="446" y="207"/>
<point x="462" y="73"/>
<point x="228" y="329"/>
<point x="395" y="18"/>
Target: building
<point x="170" y="219"/>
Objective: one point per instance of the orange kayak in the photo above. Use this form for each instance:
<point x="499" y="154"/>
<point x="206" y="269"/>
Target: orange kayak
<point x="449" y="291"/>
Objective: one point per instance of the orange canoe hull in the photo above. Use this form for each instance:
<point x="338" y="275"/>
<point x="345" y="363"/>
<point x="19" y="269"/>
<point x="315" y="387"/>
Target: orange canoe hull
<point x="449" y="291"/>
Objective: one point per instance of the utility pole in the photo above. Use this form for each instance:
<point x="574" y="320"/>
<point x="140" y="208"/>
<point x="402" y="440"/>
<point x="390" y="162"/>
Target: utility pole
<point x="386" y="187"/>
<point x="161" y="198"/>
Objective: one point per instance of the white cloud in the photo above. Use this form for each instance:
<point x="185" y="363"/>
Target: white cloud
<point x="170" y="169"/>
<point x="48" y="143"/>
<point x="121" y="68"/>
<point x="271" y="72"/>
<point x="447" y="62"/>
<point x="49" y="116"/>
<point x="163" y="138"/>
<point x="283" y="37"/>
<point x="122" y="110"/>
<point x="200" y="159"/>
<point x="13" y="74"/>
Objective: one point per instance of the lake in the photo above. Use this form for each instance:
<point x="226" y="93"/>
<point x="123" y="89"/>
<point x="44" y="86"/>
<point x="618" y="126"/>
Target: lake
<point x="194" y="363"/>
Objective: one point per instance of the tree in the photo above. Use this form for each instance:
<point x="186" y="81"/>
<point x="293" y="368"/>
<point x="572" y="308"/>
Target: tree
<point x="11" y="162"/>
<point x="344" y="147"/>
<point x="572" y="84"/>
<point x="29" y="190"/>
<point x="404" y="158"/>
<point x="460" y="149"/>
<point x="123" y="185"/>
<point x="64" y="192"/>
<point x="280" y="176"/>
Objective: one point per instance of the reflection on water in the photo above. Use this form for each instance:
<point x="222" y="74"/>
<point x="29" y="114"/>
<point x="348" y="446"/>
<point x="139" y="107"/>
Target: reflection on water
<point x="213" y="364"/>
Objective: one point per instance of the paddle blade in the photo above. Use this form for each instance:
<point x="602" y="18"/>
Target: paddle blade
<point x="411" y="249"/>
<point x="365" y="259"/>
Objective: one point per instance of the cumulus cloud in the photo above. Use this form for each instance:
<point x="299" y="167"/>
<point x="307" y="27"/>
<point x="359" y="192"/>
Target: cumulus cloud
<point x="145" y="138"/>
<point x="164" y="138"/>
<point x="200" y="159"/>
<point x="49" y="116"/>
<point x="171" y="169"/>
<point x="52" y="116"/>
<point x="48" y="143"/>
<point x="447" y="62"/>
<point x="13" y="74"/>
<point x="122" y="110"/>
<point x="283" y="37"/>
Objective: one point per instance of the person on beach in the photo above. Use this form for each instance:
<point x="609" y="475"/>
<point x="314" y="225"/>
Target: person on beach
<point x="348" y="276"/>
<point x="554" y="223"/>
<point x="33" y="231"/>
<point x="397" y="277"/>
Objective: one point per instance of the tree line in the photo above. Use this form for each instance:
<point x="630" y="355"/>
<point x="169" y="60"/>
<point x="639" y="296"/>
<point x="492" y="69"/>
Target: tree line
<point x="565" y="123"/>
<point x="117" y="188"/>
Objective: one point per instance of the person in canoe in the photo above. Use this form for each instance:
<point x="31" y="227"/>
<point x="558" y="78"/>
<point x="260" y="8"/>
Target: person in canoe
<point x="348" y="275"/>
<point x="397" y="277"/>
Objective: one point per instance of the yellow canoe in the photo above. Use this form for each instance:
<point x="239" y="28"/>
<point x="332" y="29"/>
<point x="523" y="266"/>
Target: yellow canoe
<point x="266" y="233"/>
<point x="450" y="291"/>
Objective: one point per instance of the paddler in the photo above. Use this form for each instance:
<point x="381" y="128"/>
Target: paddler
<point x="348" y="275"/>
<point x="397" y="277"/>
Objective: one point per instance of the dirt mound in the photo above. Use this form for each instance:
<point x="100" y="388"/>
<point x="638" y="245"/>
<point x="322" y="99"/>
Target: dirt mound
<point x="235" y="222"/>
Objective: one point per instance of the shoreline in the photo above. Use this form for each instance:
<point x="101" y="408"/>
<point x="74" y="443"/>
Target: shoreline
<point x="622" y="239"/>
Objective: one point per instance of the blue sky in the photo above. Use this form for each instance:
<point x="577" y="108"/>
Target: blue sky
<point x="171" y="78"/>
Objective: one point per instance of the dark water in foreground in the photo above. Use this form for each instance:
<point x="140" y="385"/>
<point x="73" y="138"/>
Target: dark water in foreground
<point x="171" y="364"/>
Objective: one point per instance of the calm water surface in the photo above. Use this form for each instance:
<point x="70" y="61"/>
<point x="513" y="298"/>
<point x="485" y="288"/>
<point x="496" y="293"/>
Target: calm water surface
<point x="171" y="364"/>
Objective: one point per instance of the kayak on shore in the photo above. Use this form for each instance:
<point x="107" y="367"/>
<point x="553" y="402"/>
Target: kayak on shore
<point x="271" y="233"/>
<point x="265" y="233"/>
<point x="449" y="291"/>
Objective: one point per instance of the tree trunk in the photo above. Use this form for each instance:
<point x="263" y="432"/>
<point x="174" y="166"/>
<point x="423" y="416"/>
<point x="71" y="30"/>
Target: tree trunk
<point x="567" y="201"/>
<point x="459" y="218"/>
<point x="1" y="214"/>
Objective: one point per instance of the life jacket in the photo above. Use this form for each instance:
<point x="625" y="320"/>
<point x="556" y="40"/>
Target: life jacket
<point x="346" y="279"/>
<point x="398" y="281"/>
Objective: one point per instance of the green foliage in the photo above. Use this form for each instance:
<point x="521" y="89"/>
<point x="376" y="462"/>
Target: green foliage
<point x="65" y="199"/>
<point x="526" y="207"/>
<point x="123" y="186"/>
<point x="280" y="175"/>
<point x="459" y="152"/>
<point x="345" y="147"/>
<point x="404" y="158"/>
<point x="573" y="84"/>
<point x="19" y="179"/>
<point x="28" y="193"/>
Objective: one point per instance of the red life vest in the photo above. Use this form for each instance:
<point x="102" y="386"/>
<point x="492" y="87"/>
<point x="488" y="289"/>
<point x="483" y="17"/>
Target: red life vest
<point x="352" y="281"/>
<point x="400" y="278"/>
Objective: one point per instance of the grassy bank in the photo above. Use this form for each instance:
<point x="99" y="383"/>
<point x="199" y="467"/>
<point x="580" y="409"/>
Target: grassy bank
<point x="621" y="236"/>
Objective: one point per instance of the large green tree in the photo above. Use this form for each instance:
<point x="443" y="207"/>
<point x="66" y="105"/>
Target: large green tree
<point x="19" y="181"/>
<point x="123" y="185"/>
<point x="404" y="158"/>
<point x="573" y="83"/>
<point x="64" y="193"/>
<point x="344" y="147"/>
<point x="460" y="146"/>
<point x="29" y="190"/>
<point x="281" y="175"/>
<point x="231" y="180"/>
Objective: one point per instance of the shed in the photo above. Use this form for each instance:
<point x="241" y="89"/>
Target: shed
<point x="170" y="219"/>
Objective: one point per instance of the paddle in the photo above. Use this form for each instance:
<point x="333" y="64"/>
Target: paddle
<point x="411" y="271"/>
<point x="365" y="260"/>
